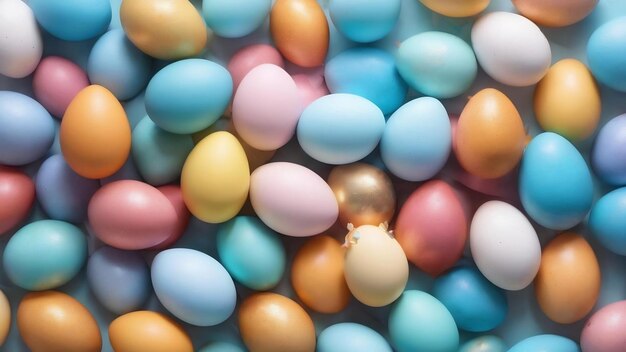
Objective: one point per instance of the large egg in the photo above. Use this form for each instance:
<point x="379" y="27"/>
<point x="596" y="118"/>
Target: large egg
<point x="547" y="343"/>
<point x="604" y="53"/>
<point x="607" y="159"/>
<point x="249" y="57"/>
<point x="351" y="337"/>
<point x="485" y="343"/>
<point x="145" y="330"/>
<point x="56" y="82"/>
<point x="607" y="221"/>
<point x="511" y="48"/>
<point x="604" y="331"/>
<point x="5" y="318"/>
<point x="17" y="192"/>
<point x="504" y="245"/>
<point x="364" y="22"/>
<point x="21" y="47"/>
<point x="555" y="13"/>
<point x="73" y="20"/>
<point x="292" y="199"/>
<point x="555" y="183"/>
<point x="235" y="19"/>
<point x="456" y="8"/>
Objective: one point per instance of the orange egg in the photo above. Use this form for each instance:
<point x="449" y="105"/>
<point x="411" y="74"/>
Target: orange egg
<point x="490" y="136"/>
<point x="5" y="317"/>
<point x="300" y="31"/>
<point x="54" y="321"/>
<point x="95" y="133"/>
<point x="145" y="330"/>
<point x="555" y="13"/>
<point x="456" y="8"/>
<point x="568" y="282"/>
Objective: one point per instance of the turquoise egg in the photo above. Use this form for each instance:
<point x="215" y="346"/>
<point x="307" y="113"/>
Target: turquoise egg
<point x="235" y="18"/>
<point x="367" y="72"/>
<point x="608" y="221"/>
<point x="251" y="252"/>
<point x="221" y="347"/>
<point x="555" y="184"/>
<point x="364" y="21"/>
<point x="187" y="96"/>
<point x="45" y="254"/>
<point x="417" y="140"/>
<point x="116" y="64"/>
<point x="546" y="343"/>
<point x="605" y="53"/>
<point x="351" y="337"/>
<point x="73" y="20"/>
<point x="486" y="343"/>
<point x="419" y="322"/>
<point x="437" y="64"/>
<point x="159" y="155"/>
<point x="340" y="128"/>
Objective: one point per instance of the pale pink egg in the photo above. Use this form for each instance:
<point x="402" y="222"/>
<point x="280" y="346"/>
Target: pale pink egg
<point x="311" y="85"/>
<point x="56" y="82"/>
<point x="250" y="57"/>
<point x="605" y="331"/>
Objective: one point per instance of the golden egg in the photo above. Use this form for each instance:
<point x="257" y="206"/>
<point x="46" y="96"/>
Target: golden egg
<point x="143" y="331"/>
<point x="456" y="8"/>
<point x="555" y="13"/>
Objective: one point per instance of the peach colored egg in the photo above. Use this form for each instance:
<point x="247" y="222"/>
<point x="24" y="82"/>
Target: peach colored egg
<point x="250" y="57"/>
<point x="555" y="13"/>
<point x="175" y="196"/>
<point x="456" y="8"/>
<point x="5" y="317"/>
<point x="17" y="192"/>
<point x="56" y="82"/>
<point x="143" y="331"/>
<point x="604" y="331"/>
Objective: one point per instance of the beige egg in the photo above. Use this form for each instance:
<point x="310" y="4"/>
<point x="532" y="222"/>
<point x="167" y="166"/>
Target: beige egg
<point x="555" y="13"/>
<point x="5" y="317"/>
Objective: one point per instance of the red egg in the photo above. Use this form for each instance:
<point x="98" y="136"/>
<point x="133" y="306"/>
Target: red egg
<point x="17" y="193"/>
<point x="605" y="331"/>
<point x="56" y="82"/>
<point x="175" y="196"/>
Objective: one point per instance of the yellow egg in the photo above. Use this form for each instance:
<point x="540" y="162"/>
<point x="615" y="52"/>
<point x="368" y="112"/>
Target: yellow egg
<point x="143" y="331"/>
<point x="456" y="8"/>
<point x="567" y="100"/>
<point x="555" y="13"/>
<point x="165" y="29"/>
<point x="5" y="317"/>
<point x="216" y="178"/>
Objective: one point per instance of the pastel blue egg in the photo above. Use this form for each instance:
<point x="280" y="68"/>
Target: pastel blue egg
<point x="235" y="18"/>
<point x="545" y="343"/>
<point x="419" y="322"/>
<point x="367" y="72"/>
<point x="193" y="286"/>
<point x="116" y="64"/>
<point x="187" y="96"/>
<point x="351" y="337"/>
<point x="487" y="343"/>
<point x="26" y="129"/>
<point x="608" y="221"/>
<point x="251" y="252"/>
<point x="221" y="347"/>
<point x="159" y="155"/>
<point x="62" y="193"/>
<point x="73" y="20"/>
<point x="607" y="157"/>
<point x="340" y="128"/>
<point x="437" y="64"/>
<point x="45" y="254"/>
<point x="476" y="304"/>
<point x="605" y="53"/>
<point x="364" y="21"/>
<point x="555" y="184"/>
<point x="120" y="280"/>
<point x="417" y="140"/>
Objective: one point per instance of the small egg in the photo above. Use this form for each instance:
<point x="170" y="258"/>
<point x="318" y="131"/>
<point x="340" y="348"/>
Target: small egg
<point x="555" y="13"/>
<point x="73" y="20"/>
<point x="607" y="159"/>
<point x="221" y="347"/>
<point x="607" y="221"/>
<point x="604" y="53"/>
<point x="17" y="192"/>
<point x="547" y="343"/>
<point x="5" y="318"/>
<point x="249" y="57"/>
<point x="351" y="337"/>
<point x="486" y="343"/>
<point x="56" y="82"/>
<point x="604" y="331"/>
<point x="235" y="19"/>
<point x="456" y="8"/>
<point x="310" y="82"/>
<point x="365" y="22"/>
<point x="21" y="47"/>
<point x="145" y="330"/>
<point x="175" y="195"/>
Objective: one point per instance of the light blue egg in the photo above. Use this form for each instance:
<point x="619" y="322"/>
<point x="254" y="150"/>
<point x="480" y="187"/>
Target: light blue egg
<point x="116" y="64"/>
<point x="251" y="252"/>
<point x="419" y="322"/>
<point x="221" y="347"/>
<point x="487" y="343"/>
<point x="193" y="286"/>
<point x="555" y="184"/>
<point x="235" y="18"/>
<point x="351" y="337"/>
<point x="45" y="254"/>
<point x="26" y="129"/>
<point x="476" y="304"/>
<point x="608" y="221"/>
<point x="545" y="343"/>
<point x="187" y="96"/>
<point x="340" y="128"/>
<point x="367" y="72"/>
<point x="417" y="140"/>
<point x="159" y="155"/>
<point x="73" y="20"/>
<point x="437" y="64"/>
<point x="605" y="53"/>
<point x="364" y="21"/>
<point x="607" y="157"/>
<point x="120" y="280"/>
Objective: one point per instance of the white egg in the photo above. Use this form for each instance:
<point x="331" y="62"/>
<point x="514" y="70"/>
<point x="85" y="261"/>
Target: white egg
<point x="20" y="40"/>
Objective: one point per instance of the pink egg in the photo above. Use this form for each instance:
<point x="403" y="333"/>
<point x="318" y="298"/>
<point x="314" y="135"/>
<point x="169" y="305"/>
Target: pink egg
<point x="605" y="331"/>
<point x="310" y="82"/>
<point x="175" y="196"/>
<point x="292" y="199"/>
<point x="266" y="107"/>
<point x="56" y="82"/>
<point x="132" y="215"/>
<point x="250" y="57"/>
<point x="17" y="193"/>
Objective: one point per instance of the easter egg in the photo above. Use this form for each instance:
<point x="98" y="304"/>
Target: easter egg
<point x="221" y="347"/>
<point x="367" y="72"/>
<point x="317" y="275"/>
<point x="432" y="227"/>
<point x="417" y="140"/>
<point x="603" y="332"/>
<point x="555" y="183"/>
<point x="188" y="95"/>
<point x="175" y="195"/>
<point x="44" y="254"/>
<point x="55" y="321"/>
<point x="604" y="50"/>
<point x="5" y="317"/>
<point x="249" y="57"/>
<point x="340" y="128"/>
<point x="511" y="48"/>
<point x="555" y="13"/>
<point x="56" y="82"/>
<point x="148" y="331"/>
<point x="235" y="19"/>
<point x="166" y="30"/>
<point x="21" y="47"/>
<point x="419" y="322"/>
<point x="607" y="221"/>
<point x="437" y="64"/>
<point x="286" y="326"/>
<point x="547" y="343"/>
<point x="73" y="20"/>
<point x="490" y="136"/>
<point x="300" y="31"/>
<point x="486" y="343"/>
<point x="310" y="82"/>
<point x="26" y="129"/>
<point x="351" y="337"/>
<point x="292" y="200"/>
<point x="201" y="292"/>
<point x="607" y="160"/>
<point x="266" y="107"/>
<point x="504" y="245"/>
<point x="364" y="22"/>
<point x="456" y="8"/>
<point x="17" y="192"/>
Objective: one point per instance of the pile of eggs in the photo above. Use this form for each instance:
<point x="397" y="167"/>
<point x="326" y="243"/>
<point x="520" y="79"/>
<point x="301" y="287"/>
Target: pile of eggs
<point x="222" y="178"/>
